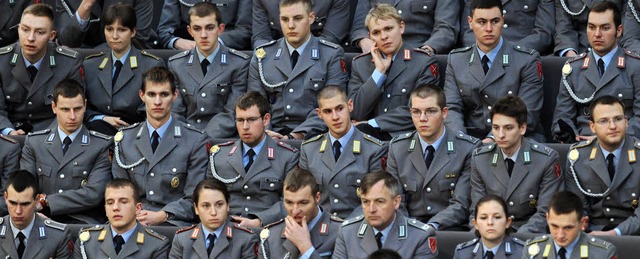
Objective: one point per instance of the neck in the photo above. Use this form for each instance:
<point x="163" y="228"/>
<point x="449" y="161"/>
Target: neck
<point x="119" y="55"/>
<point x="124" y="229"/>
<point x="486" y="49"/>
<point x="296" y="46"/>
<point x="435" y="137"/>
<point x="490" y="244"/>
<point x="207" y="53"/>
<point x="34" y="59"/>
<point x="509" y="152"/>
<point x="338" y="136"/>
<point x="156" y="124"/>
<point x="610" y="148"/>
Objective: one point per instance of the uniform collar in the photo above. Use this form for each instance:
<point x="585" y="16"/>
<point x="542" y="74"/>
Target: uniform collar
<point x="515" y="154"/>
<point x="299" y="49"/>
<point x="617" y="153"/>
<point x="122" y="59"/>
<point x="72" y="136"/>
<point x="493" y="53"/>
<point x="344" y="139"/>
<point x="37" y="64"/>
<point x="126" y="235"/>
<point x="257" y="148"/>
<point x="494" y="250"/>
<point x="435" y="144"/>
<point x="606" y="58"/>
<point x="160" y="130"/>
<point x="210" y="57"/>
<point x="217" y="232"/>
<point x="315" y="220"/>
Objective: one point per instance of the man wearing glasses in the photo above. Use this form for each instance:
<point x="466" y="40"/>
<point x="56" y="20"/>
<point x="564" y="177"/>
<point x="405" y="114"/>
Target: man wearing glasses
<point x="604" y="171"/>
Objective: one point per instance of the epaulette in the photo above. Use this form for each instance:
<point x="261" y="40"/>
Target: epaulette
<point x="580" y="144"/>
<point x="636" y="144"/>
<point x="461" y="49"/>
<point x="100" y="135"/>
<point x="336" y="218"/>
<point x="352" y="220"/>
<point x="429" y="53"/>
<point x="330" y="44"/>
<point x="94" y="228"/>
<point x="8" y="139"/>
<point x="518" y="241"/>
<point x="362" y="55"/>
<point x="599" y="243"/>
<point x="189" y="126"/>
<point x="94" y="55"/>
<point x="39" y="132"/>
<point x="54" y="224"/>
<point x="578" y="57"/>
<point x="130" y="126"/>
<point x="67" y="52"/>
<point x="466" y="137"/>
<point x="274" y="223"/>
<point x="287" y="146"/>
<point x="484" y="149"/>
<point x="632" y="53"/>
<point x="266" y="44"/>
<point x="401" y="137"/>
<point x="150" y="55"/>
<point x="540" y="148"/>
<point x="155" y="234"/>
<point x="418" y="224"/>
<point x="239" y="53"/>
<point x="536" y="240"/>
<point x="237" y="226"/>
<point x="372" y="139"/>
<point x="467" y="244"/>
<point x="525" y="50"/>
<point x="5" y="50"/>
<point x="179" y="55"/>
<point x="312" y="139"/>
<point x="186" y="228"/>
<point x="230" y="142"/>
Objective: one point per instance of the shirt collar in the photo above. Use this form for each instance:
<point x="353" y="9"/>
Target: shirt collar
<point x="122" y="59"/>
<point x="160" y="130"/>
<point x="494" y="250"/>
<point x="493" y="53"/>
<point x="256" y="149"/>
<point x="37" y="64"/>
<point x="26" y="231"/>
<point x="299" y="49"/>
<point x="606" y="58"/>
<point x="72" y="136"/>
<point x="217" y="232"/>
<point x="385" y="232"/>
<point x="126" y="235"/>
<point x="435" y="144"/>
<point x="617" y="152"/>
<point x="210" y="57"/>
<point x="515" y="154"/>
<point x="344" y="139"/>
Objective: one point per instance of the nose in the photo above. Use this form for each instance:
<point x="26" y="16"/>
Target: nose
<point x="291" y="24"/>
<point x="31" y="36"/>
<point x="488" y="27"/>
<point x="423" y="116"/>
<point x="203" y="33"/>
<point x="157" y="100"/>
<point x="214" y="212"/>
<point x="19" y="209"/>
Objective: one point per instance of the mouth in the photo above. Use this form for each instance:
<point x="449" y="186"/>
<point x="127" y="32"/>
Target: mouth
<point x="157" y="109"/>
<point x="292" y="34"/>
<point x="117" y="217"/>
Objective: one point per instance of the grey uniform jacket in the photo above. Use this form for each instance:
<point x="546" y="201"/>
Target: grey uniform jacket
<point x="236" y="16"/>
<point x="121" y="99"/>
<point x="11" y="14"/>
<point x="235" y="242"/>
<point x="510" y="247"/>
<point x="293" y="102"/>
<point x="26" y="102"/>
<point x="261" y="187"/>
<point x="323" y="238"/>
<point x="9" y="159"/>
<point x="618" y="207"/>
<point x="535" y="178"/>
<point x="434" y="23"/>
<point x="631" y="29"/>
<point x="389" y="105"/>
<point x="202" y="97"/>
<point x="143" y="243"/>
<point x="73" y="182"/>
<point x="621" y="79"/>
<point x="440" y="194"/>
<point x="470" y="93"/>
<point x="409" y="237"/>
<point x="331" y="24"/>
<point x="70" y="32"/>
<point x="587" y="247"/>
<point x="339" y="180"/>
<point x="47" y="239"/>
<point x="167" y="177"/>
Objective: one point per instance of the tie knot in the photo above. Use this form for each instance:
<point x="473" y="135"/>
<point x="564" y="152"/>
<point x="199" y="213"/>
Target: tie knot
<point x="32" y="68"/>
<point x="562" y="253"/>
<point x="250" y="153"/>
<point x="67" y="141"/>
<point x="379" y="235"/>
<point x="21" y="236"/>
<point x="485" y="59"/>
<point x="205" y="62"/>
<point x="295" y="53"/>
<point x="155" y="134"/>
<point x="336" y="144"/>
<point x="431" y="149"/>
<point x="489" y="255"/>
<point x="611" y="156"/>
<point x="211" y="237"/>
<point x="118" y="239"/>
<point x="118" y="64"/>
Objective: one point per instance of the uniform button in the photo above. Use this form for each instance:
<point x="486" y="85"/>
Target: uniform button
<point x="271" y="23"/>
<point x="633" y="195"/>
<point x="388" y="96"/>
<point x="203" y="94"/>
<point x="286" y="118"/>
<point x="424" y="7"/>
<point x="150" y="192"/>
<point x="611" y="219"/>
<point x="489" y="107"/>
<point x="198" y="120"/>
<point x="399" y="11"/>
<point x="335" y="214"/>
<point x="530" y="196"/>
<point x="336" y="186"/>
<point x="504" y="11"/>
<point x="385" y="109"/>
<point x="526" y="7"/>
<point x="608" y="210"/>
<point x="358" y="181"/>
<point x="202" y="109"/>
<point x="61" y="176"/>
<point x="489" y="120"/>
<point x="222" y="90"/>
<point x="174" y="170"/>
<point x="272" y="185"/>
<point x="184" y="90"/>
<point x="510" y="92"/>
<point x="29" y="103"/>
<point x="246" y="209"/>
<point x="30" y="115"/>
<point x="404" y="90"/>
<point x="588" y="190"/>
<point x="248" y="198"/>
<point x="108" y="107"/>
<point x="335" y="200"/>
<point x="619" y="95"/>
<point x="288" y="107"/>
<point x="428" y="189"/>
<point x="39" y="169"/>
<point x="152" y="174"/>
<point x="8" y="97"/>
<point x="510" y="203"/>
<point x="486" y="96"/>
<point x="60" y="191"/>
<point x="505" y="26"/>
<point x="428" y="207"/>
<point x="291" y="90"/>
<point x="84" y="172"/>
<point x="75" y="163"/>
<point x="319" y="24"/>
<point x="512" y="217"/>
<point x="608" y="198"/>
<point x="452" y="185"/>
<point x="405" y="185"/>
<point x="245" y="187"/>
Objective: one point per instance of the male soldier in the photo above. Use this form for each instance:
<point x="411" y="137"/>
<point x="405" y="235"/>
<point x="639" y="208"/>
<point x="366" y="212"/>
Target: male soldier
<point x="329" y="22"/>
<point x="235" y="15"/>
<point x="9" y="159"/>
<point x="606" y="70"/>
<point x="480" y="74"/>
<point x="220" y="237"/>
<point x="124" y="236"/>
<point x="78" y="22"/>
<point x="114" y="77"/>
<point x="166" y="178"/>
<point x="11" y="12"/>
<point x="291" y="70"/>
<point x="602" y="171"/>
<point x="340" y="158"/>
<point x="29" y="70"/>
<point x="521" y="171"/>
<point x="309" y="230"/>
<point x="45" y="237"/>
<point x="382" y="78"/>
<point x="631" y="29"/>
<point x="430" y="25"/>
<point x="211" y="76"/>
<point x="71" y="163"/>
<point x="254" y="167"/>
<point x="566" y="223"/>
<point x="382" y="226"/>
<point x="433" y="163"/>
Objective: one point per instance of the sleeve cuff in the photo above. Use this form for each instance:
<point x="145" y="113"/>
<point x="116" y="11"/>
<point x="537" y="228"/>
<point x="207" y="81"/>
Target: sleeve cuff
<point x="84" y="24"/>
<point x="378" y="78"/>
<point x="97" y="117"/>
<point x="373" y="123"/>
<point x="6" y="131"/>
<point x="617" y="231"/>
<point x="308" y="253"/>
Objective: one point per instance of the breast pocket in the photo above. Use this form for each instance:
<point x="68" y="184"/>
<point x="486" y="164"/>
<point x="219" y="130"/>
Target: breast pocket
<point x="174" y="178"/>
<point x="271" y="184"/>
<point x="410" y="186"/>
<point x="80" y="176"/>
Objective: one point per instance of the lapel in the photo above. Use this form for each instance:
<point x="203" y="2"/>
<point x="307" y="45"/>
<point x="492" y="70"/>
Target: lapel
<point x="326" y="156"/>
<point x="216" y="67"/>
<point x="54" y="147"/>
<point x="222" y="242"/>
<point x="76" y="148"/>
<point x="591" y="72"/>
<point x="392" y="240"/>
<point x="8" y="244"/>
<point x="44" y="73"/>
<point x="500" y="169"/>
<point x="417" y="157"/>
<point x="19" y="70"/>
<point x="612" y="71"/>
<point x="290" y="247"/>
<point x="107" y="245"/>
<point x="475" y="66"/>
<point x="368" y="241"/>
<point x="347" y="157"/>
<point x="520" y="170"/>
<point x="398" y="65"/>
<point x="496" y="71"/>
<point x="199" y="246"/>
<point x="126" y="72"/>
<point x="194" y="69"/>
<point x="317" y="237"/>
<point x="599" y="165"/>
<point x="284" y="62"/>
<point x="235" y="160"/>
<point x="304" y="60"/>
<point x="441" y="158"/>
<point x="262" y="162"/>
<point x="105" y="75"/>
<point x="35" y="242"/>
<point x="131" y="246"/>
<point x="624" y="168"/>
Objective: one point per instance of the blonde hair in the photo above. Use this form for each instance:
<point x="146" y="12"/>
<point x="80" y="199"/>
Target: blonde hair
<point x="382" y="12"/>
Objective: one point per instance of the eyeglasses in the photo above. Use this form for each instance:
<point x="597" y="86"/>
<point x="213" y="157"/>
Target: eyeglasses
<point x="431" y="112"/>
<point x="606" y="121"/>
<point x="248" y="120"/>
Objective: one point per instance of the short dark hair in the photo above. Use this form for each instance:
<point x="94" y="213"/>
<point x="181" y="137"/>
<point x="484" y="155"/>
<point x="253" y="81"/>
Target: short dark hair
<point x="120" y="12"/>
<point x="384" y="254"/>
<point x="21" y="180"/>
<point x="331" y="91"/>
<point x="604" y="6"/>
<point x="299" y="178"/>
<point x="488" y="198"/>
<point x="603" y="100"/>
<point x="40" y="10"/>
<point x="308" y="4"/>
<point x="203" y="9"/>
<point x="211" y="184"/>
<point x="121" y="183"/>
<point x="566" y="202"/>
<point x="427" y="90"/>
<point x="510" y="106"/>
<point x="68" y="88"/>
<point x="484" y="4"/>
<point x="158" y="75"/>
<point x="374" y="177"/>
<point x="251" y="98"/>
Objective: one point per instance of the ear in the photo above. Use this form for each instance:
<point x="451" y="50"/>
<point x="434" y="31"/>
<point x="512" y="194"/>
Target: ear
<point x="402" y="27"/>
<point x="312" y="17"/>
<point x="318" y="112"/>
<point x="195" y="206"/>
<point x="469" y="20"/>
<point x="509" y="222"/>
<point x="317" y="198"/>
<point x="396" y="201"/>
<point x="138" y="207"/>
<point x="266" y="120"/>
<point x="350" y="104"/>
<point x="523" y="129"/>
<point x="619" y="31"/>
<point x="55" y="108"/>
<point x="592" y="127"/>
<point x="141" y="94"/>
<point x="134" y="31"/>
<point x="221" y="28"/>
<point x="53" y="35"/>
<point x="445" y="112"/>
<point x="189" y="30"/>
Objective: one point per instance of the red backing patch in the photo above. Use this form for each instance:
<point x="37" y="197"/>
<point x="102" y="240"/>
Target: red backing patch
<point x="343" y="65"/>
<point x="539" y="69"/>
<point x="433" y="245"/>
<point x="82" y="72"/>
<point x="556" y="168"/>
<point x="434" y="70"/>
<point x="70" y="246"/>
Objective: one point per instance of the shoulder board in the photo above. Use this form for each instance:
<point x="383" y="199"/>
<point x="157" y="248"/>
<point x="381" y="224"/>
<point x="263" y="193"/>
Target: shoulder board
<point x="466" y="137"/>
<point x="352" y="220"/>
<point x="7" y="49"/>
<point x="330" y="44"/>
<point x="130" y="126"/>
<point x="67" y="52"/>
<point x="274" y="223"/>
<point x="362" y="55"/>
<point x="578" y="57"/>
<point x="266" y="44"/>
<point x="237" y="226"/>
<point x="150" y="55"/>
<point x="94" y="228"/>
<point x="525" y="50"/>
<point x="191" y="127"/>
<point x="518" y="241"/>
<point x="54" y="224"/>
<point x="40" y="132"/>
<point x="636" y="143"/>
<point x="372" y="139"/>
<point x="467" y="244"/>
<point x="632" y="54"/>
<point x="186" y="229"/>
<point x="540" y="148"/>
<point x="461" y="49"/>
<point x="599" y="243"/>
<point x="336" y="218"/>
<point x="8" y="139"/>
<point x="401" y="137"/>
<point x="419" y="50"/>
<point x="95" y="55"/>
<point x="287" y="146"/>
<point x="100" y="135"/>
<point x="155" y="234"/>
<point x="418" y="224"/>
<point x="179" y="55"/>
<point x="230" y="142"/>
<point x="484" y="149"/>
<point x="312" y="139"/>
<point x="239" y="53"/>
<point x="580" y="144"/>
<point x="537" y="240"/>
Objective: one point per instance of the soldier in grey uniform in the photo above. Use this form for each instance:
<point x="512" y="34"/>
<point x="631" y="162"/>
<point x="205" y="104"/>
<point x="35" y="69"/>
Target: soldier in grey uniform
<point x="435" y="180"/>
<point x="124" y="236"/>
<point x="330" y="23"/>
<point x="340" y="167"/>
<point x="382" y="226"/>
<point x="112" y="87"/>
<point x="473" y="85"/>
<point x="609" y="191"/>
<point x="78" y="22"/>
<point x="567" y="239"/>
<point x="30" y="70"/>
<point x="236" y="16"/>
<point x="253" y="167"/>
<point x="631" y="29"/>
<point x="25" y="234"/>
<point x="165" y="157"/>
<point x="10" y="152"/>
<point x="382" y="79"/>
<point x="308" y="230"/>
<point x="216" y="236"/>
<point x="71" y="163"/>
<point x="521" y="171"/>
<point x="12" y="11"/>
<point x="210" y="76"/>
<point x="584" y="79"/>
